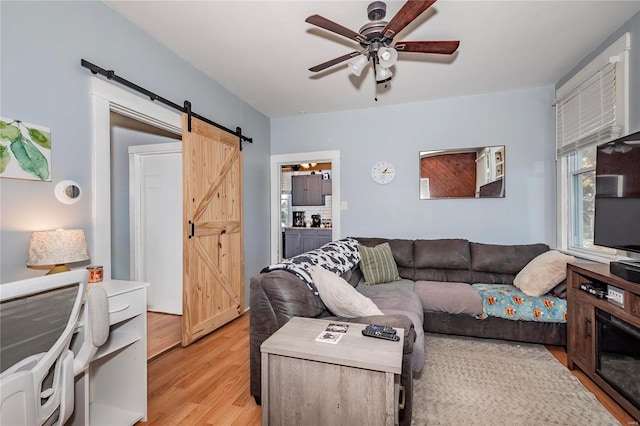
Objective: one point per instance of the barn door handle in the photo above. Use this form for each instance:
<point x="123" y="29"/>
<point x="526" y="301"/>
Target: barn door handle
<point x="192" y="230"/>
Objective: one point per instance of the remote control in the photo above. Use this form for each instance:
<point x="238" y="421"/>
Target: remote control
<point x="382" y="328"/>
<point x="380" y="335"/>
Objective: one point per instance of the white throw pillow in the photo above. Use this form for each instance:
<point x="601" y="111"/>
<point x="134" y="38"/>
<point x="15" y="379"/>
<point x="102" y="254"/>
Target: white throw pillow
<point x="543" y="273"/>
<point x="338" y="295"/>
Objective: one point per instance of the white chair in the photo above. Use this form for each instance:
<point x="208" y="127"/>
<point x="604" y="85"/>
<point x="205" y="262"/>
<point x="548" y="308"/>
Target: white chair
<point x="95" y="330"/>
<point x="38" y="318"/>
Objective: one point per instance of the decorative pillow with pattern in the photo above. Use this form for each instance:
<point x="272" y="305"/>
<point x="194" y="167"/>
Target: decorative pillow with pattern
<point x="377" y="264"/>
<point x="335" y="256"/>
<point x="509" y="302"/>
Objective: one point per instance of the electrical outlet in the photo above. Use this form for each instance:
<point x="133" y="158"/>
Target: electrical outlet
<point x="615" y="295"/>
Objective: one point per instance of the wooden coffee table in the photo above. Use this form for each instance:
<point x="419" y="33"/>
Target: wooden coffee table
<point x="307" y="382"/>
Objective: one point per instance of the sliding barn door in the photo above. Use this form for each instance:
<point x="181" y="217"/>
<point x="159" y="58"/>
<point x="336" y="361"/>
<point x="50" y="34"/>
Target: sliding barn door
<point x="213" y="262"/>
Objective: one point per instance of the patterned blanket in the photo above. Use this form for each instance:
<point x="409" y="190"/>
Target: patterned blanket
<point x="507" y="301"/>
<point x="336" y="256"/>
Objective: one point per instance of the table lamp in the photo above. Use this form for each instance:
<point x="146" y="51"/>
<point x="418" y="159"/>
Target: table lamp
<point x="57" y="248"/>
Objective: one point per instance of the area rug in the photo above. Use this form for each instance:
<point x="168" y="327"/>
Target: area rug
<point x="470" y="381"/>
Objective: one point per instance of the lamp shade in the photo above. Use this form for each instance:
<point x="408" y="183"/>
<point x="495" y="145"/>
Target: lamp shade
<point x="383" y="74"/>
<point x="387" y="56"/>
<point x="57" y="247"/>
<point x="358" y="64"/>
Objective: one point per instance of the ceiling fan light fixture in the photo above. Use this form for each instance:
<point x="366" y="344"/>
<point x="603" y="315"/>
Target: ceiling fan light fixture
<point x="387" y="56"/>
<point x="622" y="148"/>
<point x="382" y="74"/>
<point x="607" y="149"/>
<point x="358" y="64"/>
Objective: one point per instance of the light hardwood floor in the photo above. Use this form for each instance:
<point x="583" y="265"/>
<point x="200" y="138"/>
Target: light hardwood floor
<point x="205" y="383"/>
<point x="618" y="412"/>
<point x="208" y="382"/>
<point x="164" y="331"/>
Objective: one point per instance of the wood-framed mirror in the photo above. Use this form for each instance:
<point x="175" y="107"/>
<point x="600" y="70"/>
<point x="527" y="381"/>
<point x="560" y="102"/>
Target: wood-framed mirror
<point x="477" y="172"/>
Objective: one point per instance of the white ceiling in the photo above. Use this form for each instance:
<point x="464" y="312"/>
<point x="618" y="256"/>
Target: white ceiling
<point x="261" y="50"/>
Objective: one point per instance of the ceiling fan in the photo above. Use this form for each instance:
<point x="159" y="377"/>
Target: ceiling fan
<point x="376" y="39"/>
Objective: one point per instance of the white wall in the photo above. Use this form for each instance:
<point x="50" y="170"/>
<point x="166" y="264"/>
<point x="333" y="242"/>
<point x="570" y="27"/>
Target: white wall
<point x="522" y="120"/>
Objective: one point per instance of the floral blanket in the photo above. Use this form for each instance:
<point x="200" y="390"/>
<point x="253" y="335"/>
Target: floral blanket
<point x="336" y="256"/>
<point x="507" y="301"/>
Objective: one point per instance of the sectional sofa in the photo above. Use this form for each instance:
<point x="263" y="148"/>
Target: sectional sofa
<point x="434" y="294"/>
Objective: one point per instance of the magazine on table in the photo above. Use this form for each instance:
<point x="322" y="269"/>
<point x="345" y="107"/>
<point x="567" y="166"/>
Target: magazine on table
<point x="333" y="333"/>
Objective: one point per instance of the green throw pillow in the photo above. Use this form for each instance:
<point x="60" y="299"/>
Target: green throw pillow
<point x="377" y="264"/>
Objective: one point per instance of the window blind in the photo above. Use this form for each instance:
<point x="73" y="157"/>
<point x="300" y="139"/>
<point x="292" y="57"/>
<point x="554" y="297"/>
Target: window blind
<point x="587" y="114"/>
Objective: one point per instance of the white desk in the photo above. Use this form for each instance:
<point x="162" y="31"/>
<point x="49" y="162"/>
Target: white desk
<point x="113" y="390"/>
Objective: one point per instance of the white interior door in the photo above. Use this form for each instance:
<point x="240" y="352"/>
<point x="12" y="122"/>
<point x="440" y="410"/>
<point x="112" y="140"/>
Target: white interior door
<point x="156" y="200"/>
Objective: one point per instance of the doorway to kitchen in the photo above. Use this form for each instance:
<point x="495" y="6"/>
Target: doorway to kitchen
<point x="283" y="168"/>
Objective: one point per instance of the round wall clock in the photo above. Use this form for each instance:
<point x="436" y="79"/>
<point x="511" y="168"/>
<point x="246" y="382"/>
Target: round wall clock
<point x="383" y="172"/>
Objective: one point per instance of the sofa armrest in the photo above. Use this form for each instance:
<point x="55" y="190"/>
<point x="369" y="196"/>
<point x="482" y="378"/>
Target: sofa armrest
<point x="275" y="297"/>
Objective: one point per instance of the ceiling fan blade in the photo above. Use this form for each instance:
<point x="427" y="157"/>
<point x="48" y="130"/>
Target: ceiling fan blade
<point x="333" y="62"/>
<point x="441" y="47"/>
<point x="407" y="13"/>
<point x="321" y="22"/>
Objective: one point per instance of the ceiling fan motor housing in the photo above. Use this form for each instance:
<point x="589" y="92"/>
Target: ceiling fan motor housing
<point x="376" y="11"/>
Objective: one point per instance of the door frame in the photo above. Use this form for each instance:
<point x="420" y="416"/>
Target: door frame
<point x="107" y="98"/>
<point x="277" y="161"/>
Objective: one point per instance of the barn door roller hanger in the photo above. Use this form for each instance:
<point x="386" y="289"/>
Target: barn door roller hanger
<point x="111" y="75"/>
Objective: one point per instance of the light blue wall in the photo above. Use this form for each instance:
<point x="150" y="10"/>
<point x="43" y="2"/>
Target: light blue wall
<point x="633" y="27"/>
<point x="43" y="83"/>
<point x="522" y="120"/>
<point x="121" y="140"/>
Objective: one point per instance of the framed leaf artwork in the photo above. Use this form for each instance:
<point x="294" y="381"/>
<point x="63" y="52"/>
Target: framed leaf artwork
<point x="25" y="150"/>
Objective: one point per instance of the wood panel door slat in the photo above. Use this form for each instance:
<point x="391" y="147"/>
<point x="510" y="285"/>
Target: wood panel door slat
<point x="213" y="281"/>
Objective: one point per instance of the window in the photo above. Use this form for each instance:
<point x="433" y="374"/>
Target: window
<point x="591" y="108"/>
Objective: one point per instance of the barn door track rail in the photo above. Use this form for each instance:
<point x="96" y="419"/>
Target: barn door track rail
<point x="111" y="75"/>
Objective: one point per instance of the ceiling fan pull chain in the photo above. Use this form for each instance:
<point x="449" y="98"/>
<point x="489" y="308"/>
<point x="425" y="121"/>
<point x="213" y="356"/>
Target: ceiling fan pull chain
<point x="375" y="80"/>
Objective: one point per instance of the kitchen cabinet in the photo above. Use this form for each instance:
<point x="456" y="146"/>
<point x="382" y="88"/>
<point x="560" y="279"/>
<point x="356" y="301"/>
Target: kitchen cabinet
<point x="326" y="187"/>
<point x="306" y="190"/>
<point x="301" y="240"/>
<point x="291" y="243"/>
<point x="499" y="163"/>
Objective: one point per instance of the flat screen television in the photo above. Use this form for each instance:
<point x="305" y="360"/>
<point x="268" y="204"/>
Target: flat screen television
<point x="617" y="201"/>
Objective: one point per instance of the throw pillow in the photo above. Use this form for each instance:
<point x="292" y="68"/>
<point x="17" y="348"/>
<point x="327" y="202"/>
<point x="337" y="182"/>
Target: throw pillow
<point x="377" y="264"/>
<point x="338" y="295"/>
<point x="543" y="273"/>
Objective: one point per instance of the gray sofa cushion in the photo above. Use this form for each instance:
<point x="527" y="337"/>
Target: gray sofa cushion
<point x="449" y="297"/>
<point x="393" y="285"/>
<point x="401" y="301"/>
<point x="442" y="254"/>
<point x="402" y="250"/>
<point x="503" y="259"/>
